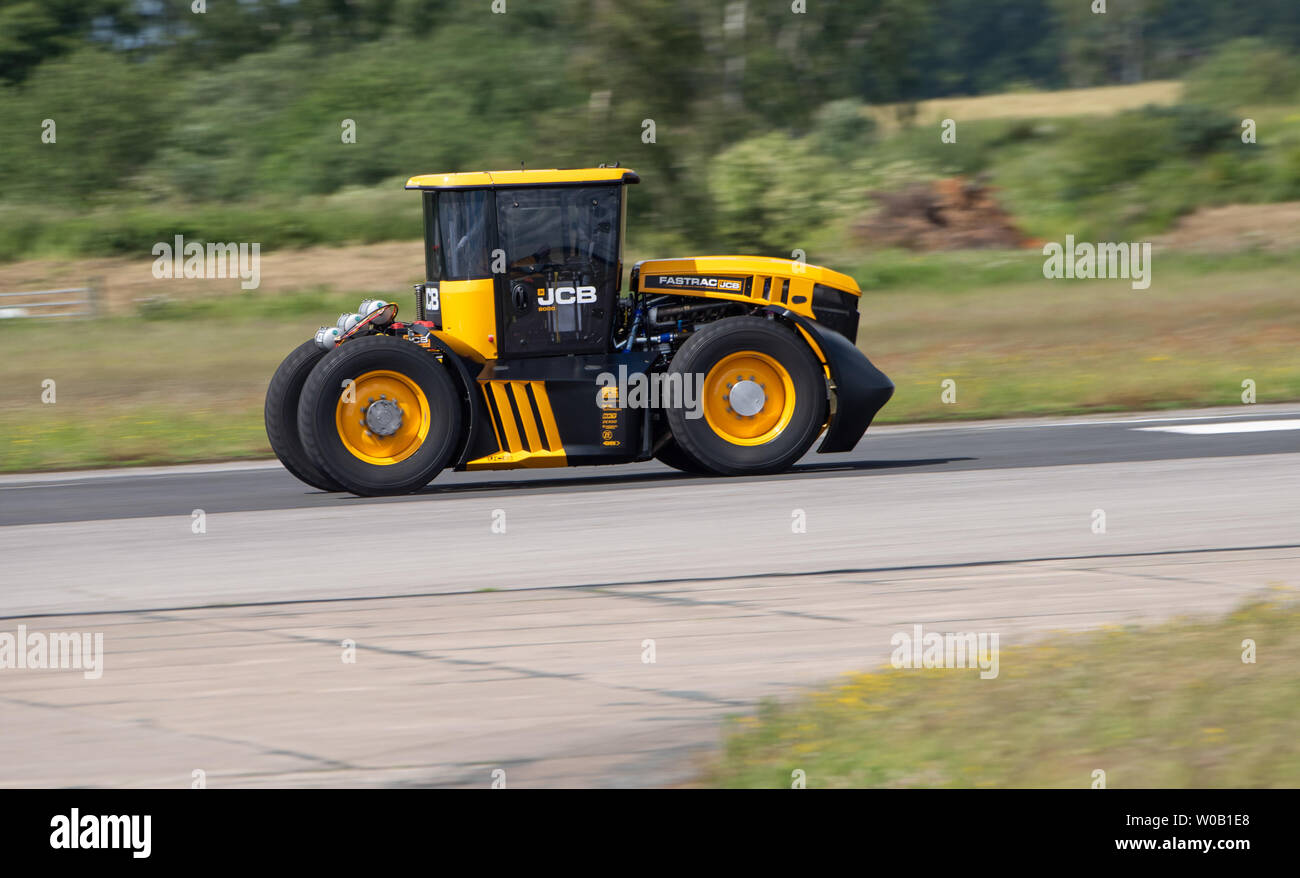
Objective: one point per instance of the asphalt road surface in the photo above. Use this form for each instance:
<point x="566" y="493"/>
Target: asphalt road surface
<point x="505" y="621"/>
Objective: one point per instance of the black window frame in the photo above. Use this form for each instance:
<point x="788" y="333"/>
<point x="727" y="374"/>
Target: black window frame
<point x="432" y="244"/>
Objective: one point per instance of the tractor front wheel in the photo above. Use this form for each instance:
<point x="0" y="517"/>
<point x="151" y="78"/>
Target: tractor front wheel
<point x="762" y="397"/>
<point x="671" y="454"/>
<point x="281" y="415"/>
<point x="380" y="416"/>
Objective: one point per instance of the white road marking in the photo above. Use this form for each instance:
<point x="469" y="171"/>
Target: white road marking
<point x="80" y="477"/>
<point x="1231" y="427"/>
<point x="1085" y="420"/>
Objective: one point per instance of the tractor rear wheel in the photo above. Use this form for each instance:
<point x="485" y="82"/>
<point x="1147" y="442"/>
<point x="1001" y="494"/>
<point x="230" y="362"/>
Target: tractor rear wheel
<point x="762" y="393"/>
<point x="380" y="416"/>
<point x="281" y="416"/>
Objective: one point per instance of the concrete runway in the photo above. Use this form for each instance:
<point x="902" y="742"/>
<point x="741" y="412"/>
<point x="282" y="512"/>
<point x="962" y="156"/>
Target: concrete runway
<point x="523" y="650"/>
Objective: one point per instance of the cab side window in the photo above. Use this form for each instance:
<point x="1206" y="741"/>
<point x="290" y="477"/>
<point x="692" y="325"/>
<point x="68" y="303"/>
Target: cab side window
<point x="464" y="220"/>
<point x="546" y="229"/>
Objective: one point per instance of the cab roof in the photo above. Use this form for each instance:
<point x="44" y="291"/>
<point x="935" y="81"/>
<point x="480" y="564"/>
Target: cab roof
<point x="547" y="177"/>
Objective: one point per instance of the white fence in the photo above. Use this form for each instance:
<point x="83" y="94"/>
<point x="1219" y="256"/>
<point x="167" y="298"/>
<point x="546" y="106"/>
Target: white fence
<point x="67" y="302"/>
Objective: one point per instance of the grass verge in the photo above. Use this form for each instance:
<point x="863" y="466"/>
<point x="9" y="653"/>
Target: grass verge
<point x="1166" y="706"/>
<point x="1015" y="344"/>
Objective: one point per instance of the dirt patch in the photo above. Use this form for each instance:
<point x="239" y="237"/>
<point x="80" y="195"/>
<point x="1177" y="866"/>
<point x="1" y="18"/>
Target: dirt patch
<point x="1235" y="228"/>
<point x="388" y="268"/>
<point x="1103" y="100"/>
<point x="950" y="214"/>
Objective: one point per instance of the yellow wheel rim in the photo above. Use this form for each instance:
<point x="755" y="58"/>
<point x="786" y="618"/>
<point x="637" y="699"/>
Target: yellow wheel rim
<point x="763" y="403"/>
<point x="359" y="437"/>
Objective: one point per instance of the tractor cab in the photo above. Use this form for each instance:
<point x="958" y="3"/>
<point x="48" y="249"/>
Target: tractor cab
<point x="523" y="263"/>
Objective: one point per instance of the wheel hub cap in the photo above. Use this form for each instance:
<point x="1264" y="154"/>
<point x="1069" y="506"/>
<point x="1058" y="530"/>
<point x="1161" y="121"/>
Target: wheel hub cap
<point x="383" y="417"/>
<point x="746" y="398"/>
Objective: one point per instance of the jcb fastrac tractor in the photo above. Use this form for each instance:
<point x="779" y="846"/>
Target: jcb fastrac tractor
<point x="524" y="352"/>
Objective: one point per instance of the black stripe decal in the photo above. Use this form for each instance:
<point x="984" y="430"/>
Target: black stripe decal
<point x="496" y="416"/>
<point x="519" y="421"/>
<point x="537" y="416"/>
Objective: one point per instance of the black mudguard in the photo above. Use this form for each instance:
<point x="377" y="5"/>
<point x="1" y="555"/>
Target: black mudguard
<point x="861" y="390"/>
<point x="478" y="437"/>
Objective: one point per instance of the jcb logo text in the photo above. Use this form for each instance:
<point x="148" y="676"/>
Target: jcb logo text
<point x="566" y="295"/>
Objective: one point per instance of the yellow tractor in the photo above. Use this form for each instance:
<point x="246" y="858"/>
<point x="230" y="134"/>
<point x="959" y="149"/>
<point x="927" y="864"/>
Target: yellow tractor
<point x="525" y="352"/>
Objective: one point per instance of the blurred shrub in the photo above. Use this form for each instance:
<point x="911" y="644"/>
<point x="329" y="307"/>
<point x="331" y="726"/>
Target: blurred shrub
<point x="1288" y="177"/>
<point x="978" y="145"/>
<point x="108" y="116"/>
<point x="769" y="191"/>
<point x="272" y="122"/>
<point x="1198" y="129"/>
<point x="1106" y="152"/>
<point x="1244" y="71"/>
<point x="842" y="129"/>
<point x="345" y="217"/>
<point x="1115" y="151"/>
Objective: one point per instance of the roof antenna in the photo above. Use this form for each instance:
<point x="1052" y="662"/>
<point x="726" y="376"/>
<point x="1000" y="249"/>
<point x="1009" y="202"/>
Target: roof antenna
<point x="521" y="166"/>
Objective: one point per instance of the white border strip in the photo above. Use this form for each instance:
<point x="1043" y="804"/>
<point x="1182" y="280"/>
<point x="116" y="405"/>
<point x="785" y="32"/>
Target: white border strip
<point x="1226" y="427"/>
<point x="79" y="476"/>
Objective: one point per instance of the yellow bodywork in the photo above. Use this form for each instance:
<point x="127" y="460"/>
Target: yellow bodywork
<point x="469" y="317"/>
<point x="772" y="281"/>
<point x="551" y="176"/>
<point x="524" y="442"/>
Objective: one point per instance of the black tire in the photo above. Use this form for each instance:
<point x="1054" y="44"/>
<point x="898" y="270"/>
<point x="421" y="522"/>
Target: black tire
<point x="320" y="401"/>
<point x="703" y="445"/>
<point x="671" y="454"/>
<point x="281" y="416"/>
